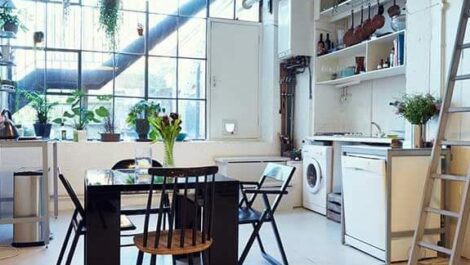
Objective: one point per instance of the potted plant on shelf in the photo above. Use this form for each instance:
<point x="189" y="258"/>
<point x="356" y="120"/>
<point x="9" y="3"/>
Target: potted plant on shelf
<point x="109" y="19"/>
<point x="10" y="20"/>
<point x="39" y="103"/>
<point x="167" y="128"/>
<point x="81" y="116"/>
<point x="417" y="109"/>
<point x="139" y="116"/>
<point x="110" y="134"/>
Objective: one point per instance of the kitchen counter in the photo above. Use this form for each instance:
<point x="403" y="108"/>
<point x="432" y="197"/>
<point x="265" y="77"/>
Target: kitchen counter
<point x="351" y="139"/>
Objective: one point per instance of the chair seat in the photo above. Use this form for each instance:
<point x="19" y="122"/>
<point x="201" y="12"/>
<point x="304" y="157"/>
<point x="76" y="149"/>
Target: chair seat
<point x="175" y="248"/>
<point x="126" y="223"/>
<point x="247" y="215"/>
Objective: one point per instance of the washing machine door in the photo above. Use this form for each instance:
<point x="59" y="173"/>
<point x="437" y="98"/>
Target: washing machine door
<point x="314" y="177"/>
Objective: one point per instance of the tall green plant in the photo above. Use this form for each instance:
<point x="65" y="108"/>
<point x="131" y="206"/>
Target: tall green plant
<point x="143" y="110"/>
<point x="40" y="104"/>
<point x="110" y="19"/>
<point x="417" y="109"/>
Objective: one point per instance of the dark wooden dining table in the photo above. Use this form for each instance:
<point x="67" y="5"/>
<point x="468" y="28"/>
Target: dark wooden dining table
<point x="103" y="189"/>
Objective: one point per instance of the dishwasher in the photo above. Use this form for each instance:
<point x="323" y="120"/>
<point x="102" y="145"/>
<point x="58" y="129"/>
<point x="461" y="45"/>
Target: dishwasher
<point x="382" y="190"/>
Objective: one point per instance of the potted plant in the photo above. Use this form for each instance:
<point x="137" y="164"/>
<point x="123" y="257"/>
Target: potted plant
<point x="10" y="20"/>
<point x="39" y="103"/>
<point x="109" y="19"/>
<point x="80" y="116"/>
<point x="418" y="110"/>
<point x="110" y="134"/>
<point x="167" y="128"/>
<point x="139" y="116"/>
<point x="38" y="37"/>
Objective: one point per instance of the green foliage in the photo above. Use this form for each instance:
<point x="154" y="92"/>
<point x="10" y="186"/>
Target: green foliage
<point x="143" y="110"/>
<point x="8" y="15"/>
<point x="110" y="19"/>
<point x="39" y="103"/>
<point x="79" y="115"/>
<point x="417" y="109"/>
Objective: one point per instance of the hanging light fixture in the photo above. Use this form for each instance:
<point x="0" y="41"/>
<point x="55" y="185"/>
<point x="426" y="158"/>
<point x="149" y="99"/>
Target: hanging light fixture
<point x="247" y="4"/>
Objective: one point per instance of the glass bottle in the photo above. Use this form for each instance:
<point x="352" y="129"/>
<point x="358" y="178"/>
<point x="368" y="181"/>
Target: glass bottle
<point x="63" y="132"/>
<point x="328" y="43"/>
<point x="321" y="45"/>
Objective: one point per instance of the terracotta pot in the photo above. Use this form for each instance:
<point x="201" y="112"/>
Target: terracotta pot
<point x="110" y="137"/>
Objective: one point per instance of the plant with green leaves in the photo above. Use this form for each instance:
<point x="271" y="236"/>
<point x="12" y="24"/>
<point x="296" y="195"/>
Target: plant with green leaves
<point x="418" y="109"/>
<point x="80" y="116"/>
<point x="110" y="19"/>
<point x="143" y="110"/>
<point x="40" y="104"/>
<point x="9" y="16"/>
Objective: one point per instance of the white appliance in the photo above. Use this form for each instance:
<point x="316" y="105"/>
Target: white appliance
<point x="317" y="176"/>
<point x="295" y="18"/>
<point x="250" y="168"/>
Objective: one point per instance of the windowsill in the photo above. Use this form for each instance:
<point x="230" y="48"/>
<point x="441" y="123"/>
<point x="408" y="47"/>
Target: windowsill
<point x="228" y="141"/>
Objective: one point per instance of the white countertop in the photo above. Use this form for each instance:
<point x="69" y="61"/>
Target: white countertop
<point x="352" y="139"/>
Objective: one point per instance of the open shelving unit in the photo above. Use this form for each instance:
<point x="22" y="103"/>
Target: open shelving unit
<point x="372" y="50"/>
<point x="343" y="10"/>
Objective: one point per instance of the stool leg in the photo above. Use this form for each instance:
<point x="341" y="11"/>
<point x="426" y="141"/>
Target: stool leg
<point x="66" y="242"/>
<point x="140" y="258"/>
<point x="153" y="260"/>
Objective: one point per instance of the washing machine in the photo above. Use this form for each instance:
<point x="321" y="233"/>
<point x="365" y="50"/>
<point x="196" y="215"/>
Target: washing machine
<point x="317" y="176"/>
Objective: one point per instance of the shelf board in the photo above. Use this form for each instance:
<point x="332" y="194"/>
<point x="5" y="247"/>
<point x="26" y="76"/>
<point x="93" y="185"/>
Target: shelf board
<point x="343" y="10"/>
<point x="7" y="63"/>
<point x="355" y="49"/>
<point x="7" y="35"/>
<point x="7" y="88"/>
<point x="371" y="75"/>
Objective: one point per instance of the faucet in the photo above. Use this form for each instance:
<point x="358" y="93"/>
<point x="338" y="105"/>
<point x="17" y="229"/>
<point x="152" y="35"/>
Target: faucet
<point x="379" y="129"/>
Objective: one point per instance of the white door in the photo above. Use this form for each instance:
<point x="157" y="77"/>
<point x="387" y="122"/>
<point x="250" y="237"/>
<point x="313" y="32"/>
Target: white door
<point x="234" y="77"/>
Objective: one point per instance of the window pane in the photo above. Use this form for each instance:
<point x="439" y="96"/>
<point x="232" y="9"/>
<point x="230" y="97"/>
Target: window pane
<point x="222" y="9"/>
<point x="163" y="6"/>
<point x="93" y="37"/>
<point x="31" y="13"/>
<point x="57" y="112"/>
<point x="251" y="14"/>
<point x="194" y="115"/>
<point x="191" y="78"/>
<point x="120" y="116"/>
<point x="97" y="73"/>
<point x="162" y="77"/>
<point x="128" y="39"/>
<point x="94" y="129"/>
<point x="30" y="69"/>
<point x="192" y="38"/>
<point x="62" y="71"/>
<point x="163" y="36"/>
<point x="63" y="32"/>
<point x="192" y="8"/>
<point x="138" y="5"/>
<point x="130" y="75"/>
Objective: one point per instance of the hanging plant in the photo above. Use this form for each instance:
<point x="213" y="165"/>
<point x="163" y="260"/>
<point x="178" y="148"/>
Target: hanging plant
<point x="109" y="19"/>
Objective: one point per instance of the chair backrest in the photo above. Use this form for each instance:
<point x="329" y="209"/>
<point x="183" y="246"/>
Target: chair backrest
<point x="73" y="196"/>
<point x="280" y="173"/>
<point x="181" y="182"/>
<point x="130" y="163"/>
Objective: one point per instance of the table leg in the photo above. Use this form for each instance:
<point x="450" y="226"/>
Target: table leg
<point x="45" y="193"/>
<point x="55" y="180"/>
<point x="102" y="239"/>
<point x="224" y="250"/>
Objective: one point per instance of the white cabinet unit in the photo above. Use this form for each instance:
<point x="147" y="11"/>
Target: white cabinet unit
<point x="382" y="189"/>
<point x="295" y="28"/>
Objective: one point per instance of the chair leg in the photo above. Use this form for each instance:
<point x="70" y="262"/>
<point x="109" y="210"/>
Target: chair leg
<point x="173" y="259"/>
<point x="64" y="245"/>
<point x="73" y="247"/>
<point x="249" y="243"/>
<point x="260" y="243"/>
<point x="190" y="259"/>
<point x="279" y="241"/>
<point x="205" y="257"/>
<point x="140" y="258"/>
<point x="153" y="260"/>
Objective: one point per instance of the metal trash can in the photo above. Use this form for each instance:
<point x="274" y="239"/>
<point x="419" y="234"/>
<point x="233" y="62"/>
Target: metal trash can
<point x="27" y="185"/>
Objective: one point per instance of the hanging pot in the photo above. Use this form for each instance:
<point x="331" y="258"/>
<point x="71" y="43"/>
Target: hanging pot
<point x="140" y="29"/>
<point x="359" y="32"/>
<point x="38" y="37"/>
<point x="394" y="10"/>
<point x="368" y="26"/>
<point x="379" y="20"/>
<point x="348" y="38"/>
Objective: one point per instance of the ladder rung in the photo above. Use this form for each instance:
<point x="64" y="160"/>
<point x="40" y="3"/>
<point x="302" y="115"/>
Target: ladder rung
<point x="451" y="177"/>
<point x="459" y="109"/>
<point x="462" y="77"/>
<point x="443" y="212"/>
<point x="465" y="46"/>
<point x="456" y="143"/>
<point x="435" y="248"/>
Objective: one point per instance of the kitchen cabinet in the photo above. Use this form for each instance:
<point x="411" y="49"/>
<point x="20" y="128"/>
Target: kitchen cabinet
<point x="382" y="189"/>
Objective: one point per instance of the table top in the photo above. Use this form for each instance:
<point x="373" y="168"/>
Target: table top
<point x="129" y="180"/>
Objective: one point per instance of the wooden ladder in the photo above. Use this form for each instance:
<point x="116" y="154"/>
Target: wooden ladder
<point x="433" y="175"/>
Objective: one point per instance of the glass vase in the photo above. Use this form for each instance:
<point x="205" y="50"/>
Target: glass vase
<point x="169" y="159"/>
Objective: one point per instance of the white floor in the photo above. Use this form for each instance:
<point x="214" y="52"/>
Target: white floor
<point x="309" y="239"/>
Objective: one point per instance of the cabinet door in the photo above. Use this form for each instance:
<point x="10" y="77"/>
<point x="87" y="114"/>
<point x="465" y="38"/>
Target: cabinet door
<point x="364" y="191"/>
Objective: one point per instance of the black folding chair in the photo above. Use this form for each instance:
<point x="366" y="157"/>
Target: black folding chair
<point x="78" y="223"/>
<point x="248" y="215"/>
<point x="189" y="220"/>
